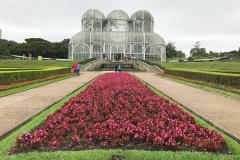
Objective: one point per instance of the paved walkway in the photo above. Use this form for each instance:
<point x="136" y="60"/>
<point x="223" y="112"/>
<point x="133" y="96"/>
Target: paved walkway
<point x="222" y="111"/>
<point x="18" y="108"/>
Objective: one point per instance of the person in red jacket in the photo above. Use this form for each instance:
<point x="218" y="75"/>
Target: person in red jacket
<point x="75" y="65"/>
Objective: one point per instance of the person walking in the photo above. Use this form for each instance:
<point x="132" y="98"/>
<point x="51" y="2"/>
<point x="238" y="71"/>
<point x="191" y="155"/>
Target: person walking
<point x="75" y="68"/>
<point x="119" y="68"/>
<point x="116" y="68"/>
<point x="78" y="69"/>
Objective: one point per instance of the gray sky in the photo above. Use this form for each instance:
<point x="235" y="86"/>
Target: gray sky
<point x="215" y="23"/>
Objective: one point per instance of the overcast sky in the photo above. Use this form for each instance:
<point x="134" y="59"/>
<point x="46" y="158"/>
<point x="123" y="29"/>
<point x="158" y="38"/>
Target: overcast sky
<point x="215" y="23"/>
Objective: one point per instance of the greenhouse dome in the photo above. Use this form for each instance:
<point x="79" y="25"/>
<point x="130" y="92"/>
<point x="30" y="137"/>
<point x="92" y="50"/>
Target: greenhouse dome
<point x="92" y="20"/>
<point x="117" y="20"/>
<point x="117" y="37"/>
<point x="142" y="21"/>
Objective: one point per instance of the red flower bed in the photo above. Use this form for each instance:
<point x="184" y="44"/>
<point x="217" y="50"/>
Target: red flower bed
<point x="118" y="111"/>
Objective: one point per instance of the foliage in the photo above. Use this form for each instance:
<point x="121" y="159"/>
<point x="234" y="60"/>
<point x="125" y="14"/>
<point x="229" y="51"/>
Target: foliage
<point x="18" y="76"/>
<point x="117" y="110"/>
<point x="199" y="66"/>
<point x="209" y="87"/>
<point x="87" y="61"/>
<point x="221" y="75"/>
<point x="27" y="86"/>
<point x="231" y="80"/>
<point x="12" y="71"/>
<point x="34" y="64"/>
<point x="190" y="59"/>
<point x="99" y="154"/>
<point x="198" y="52"/>
<point x="172" y="52"/>
<point x="35" y="46"/>
<point x="231" y="54"/>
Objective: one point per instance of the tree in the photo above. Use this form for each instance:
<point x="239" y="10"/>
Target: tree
<point x="180" y="54"/>
<point x="197" y="51"/>
<point x="172" y="52"/>
<point x="35" y="46"/>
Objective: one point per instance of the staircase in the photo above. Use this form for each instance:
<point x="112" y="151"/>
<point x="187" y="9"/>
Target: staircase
<point x="127" y="65"/>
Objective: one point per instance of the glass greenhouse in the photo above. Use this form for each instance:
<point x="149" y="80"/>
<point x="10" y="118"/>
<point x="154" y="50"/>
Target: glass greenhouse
<point x="117" y="37"/>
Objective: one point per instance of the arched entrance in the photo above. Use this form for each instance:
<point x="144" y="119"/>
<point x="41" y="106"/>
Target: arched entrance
<point x="117" y="52"/>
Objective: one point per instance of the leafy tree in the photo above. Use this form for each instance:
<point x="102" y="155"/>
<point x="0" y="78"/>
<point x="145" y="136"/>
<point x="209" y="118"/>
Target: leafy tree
<point x="197" y="51"/>
<point x="172" y="52"/>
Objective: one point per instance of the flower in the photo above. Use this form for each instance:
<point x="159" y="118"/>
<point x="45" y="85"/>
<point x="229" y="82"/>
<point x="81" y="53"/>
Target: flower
<point x="118" y="110"/>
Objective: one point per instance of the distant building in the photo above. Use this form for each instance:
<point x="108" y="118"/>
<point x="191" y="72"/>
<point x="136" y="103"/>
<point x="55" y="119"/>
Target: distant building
<point x="117" y="36"/>
<point x="0" y="33"/>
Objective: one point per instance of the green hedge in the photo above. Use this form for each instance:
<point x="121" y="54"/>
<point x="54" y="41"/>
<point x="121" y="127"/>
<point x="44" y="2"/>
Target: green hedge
<point x="222" y="79"/>
<point x="87" y="60"/>
<point x="153" y="63"/>
<point x="13" y="77"/>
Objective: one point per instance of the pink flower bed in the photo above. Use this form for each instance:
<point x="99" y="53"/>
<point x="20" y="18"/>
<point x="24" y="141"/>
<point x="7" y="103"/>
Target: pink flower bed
<point x="119" y="111"/>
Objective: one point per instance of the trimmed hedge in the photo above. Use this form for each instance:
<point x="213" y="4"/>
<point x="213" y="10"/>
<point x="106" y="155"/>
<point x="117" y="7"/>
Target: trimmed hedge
<point x="222" y="79"/>
<point x="87" y="60"/>
<point x="13" y="77"/>
<point x="152" y="63"/>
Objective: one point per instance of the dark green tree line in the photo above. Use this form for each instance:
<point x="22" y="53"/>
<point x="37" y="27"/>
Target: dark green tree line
<point x="172" y="52"/>
<point x="35" y="46"/>
<point x="200" y="52"/>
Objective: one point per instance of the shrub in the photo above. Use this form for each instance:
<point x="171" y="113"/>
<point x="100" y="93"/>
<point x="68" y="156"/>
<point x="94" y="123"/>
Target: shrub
<point x="87" y="60"/>
<point x="221" y="78"/>
<point x="153" y="63"/>
<point x="13" y="77"/>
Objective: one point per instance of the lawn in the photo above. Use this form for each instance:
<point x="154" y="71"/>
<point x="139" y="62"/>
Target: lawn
<point x="26" y="86"/>
<point x="17" y="73"/>
<point x="132" y="91"/>
<point x="34" y="64"/>
<point x="220" y="75"/>
<point x="223" y="67"/>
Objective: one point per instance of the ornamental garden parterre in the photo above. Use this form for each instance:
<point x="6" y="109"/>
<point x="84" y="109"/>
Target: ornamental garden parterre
<point x="119" y="111"/>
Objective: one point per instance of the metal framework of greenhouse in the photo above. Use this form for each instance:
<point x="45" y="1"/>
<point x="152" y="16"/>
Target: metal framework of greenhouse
<point x="117" y="37"/>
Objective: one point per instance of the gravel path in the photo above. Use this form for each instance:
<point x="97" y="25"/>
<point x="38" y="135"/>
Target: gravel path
<point x="18" y="108"/>
<point x="222" y="111"/>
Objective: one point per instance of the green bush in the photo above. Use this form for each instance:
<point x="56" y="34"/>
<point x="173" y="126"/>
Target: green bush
<point x="87" y="61"/>
<point x="13" y="77"/>
<point x="153" y="63"/>
<point x="230" y="80"/>
<point x="34" y="63"/>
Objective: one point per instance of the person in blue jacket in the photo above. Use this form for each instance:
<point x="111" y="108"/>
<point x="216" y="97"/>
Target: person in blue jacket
<point x="119" y="68"/>
<point x="78" y="69"/>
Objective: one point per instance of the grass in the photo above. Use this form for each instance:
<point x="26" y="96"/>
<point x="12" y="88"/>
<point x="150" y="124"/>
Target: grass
<point x="31" y="70"/>
<point x="205" y="87"/>
<point x="14" y="71"/>
<point x="203" y="66"/>
<point x="99" y="154"/>
<point x="34" y="64"/>
<point x="219" y="75"/>
<point x="216" y="68"/>
<point x="31" y="86"/>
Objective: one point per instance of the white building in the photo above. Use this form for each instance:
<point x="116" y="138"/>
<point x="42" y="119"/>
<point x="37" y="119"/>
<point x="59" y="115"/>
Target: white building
<point x="117" y="36"/>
